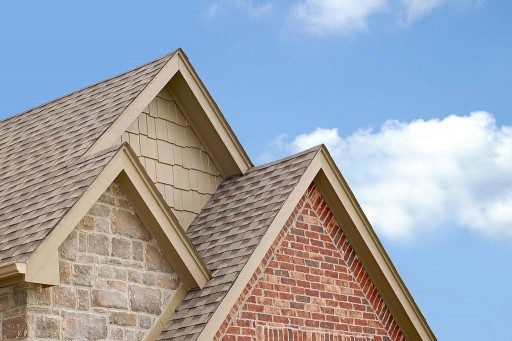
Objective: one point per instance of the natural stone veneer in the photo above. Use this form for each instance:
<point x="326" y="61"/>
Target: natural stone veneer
<point x="114" y="282"/>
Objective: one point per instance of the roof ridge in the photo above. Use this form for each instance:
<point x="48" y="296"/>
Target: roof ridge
<point x="168" y="55"/>
<point x="287" y="158"/>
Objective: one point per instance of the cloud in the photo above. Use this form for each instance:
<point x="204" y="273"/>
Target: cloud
<point x="334" y="16"/>
<point x="325" y="17"/>
<point x="416" y="177"/>
<point x="248" y="6"/>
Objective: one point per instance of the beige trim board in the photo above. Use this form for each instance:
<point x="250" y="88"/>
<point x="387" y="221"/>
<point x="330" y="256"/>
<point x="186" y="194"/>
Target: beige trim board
<point x="167" y="314"/>
<point x="12" y="273"/>
<point x="124" y="167"/>
<point x="203" y="114"/>
<point x="326" y="176"/>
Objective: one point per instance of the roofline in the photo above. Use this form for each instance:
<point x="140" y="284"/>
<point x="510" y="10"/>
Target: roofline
<point x="325" y="174"/>
<point x="230" y="156"/>
<point x="43" y="264"/>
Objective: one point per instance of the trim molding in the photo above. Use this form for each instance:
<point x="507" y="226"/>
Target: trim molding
<point x="125" y="168"/>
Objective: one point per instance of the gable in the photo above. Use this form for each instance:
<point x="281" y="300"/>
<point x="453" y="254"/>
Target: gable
<point x="115" y="281"/>
<point x="310" y="284"/>
<point x="173" y="156"/>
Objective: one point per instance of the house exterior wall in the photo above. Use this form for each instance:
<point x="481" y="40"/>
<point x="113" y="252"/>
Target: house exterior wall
<point x="310" y="286"/>
<point x="173" y="157"/>
<point x="115" y="282"/>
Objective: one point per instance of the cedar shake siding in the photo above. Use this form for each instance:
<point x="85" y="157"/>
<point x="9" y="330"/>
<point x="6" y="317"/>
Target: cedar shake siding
<point x="173" y="157"/>
<point x="310" y="286"/>
<point x="115" y="282"/>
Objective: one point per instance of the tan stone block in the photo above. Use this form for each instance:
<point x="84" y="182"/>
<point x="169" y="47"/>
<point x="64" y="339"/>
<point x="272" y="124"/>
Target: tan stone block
<point x="137" y="251"/>
<point x="167" y="281"/>
<point x="128" y="224"/>
<point x="105" y="271"/>
<point x="100" y="210"/>
<point x="68" y="248"/>
<point x="83" y="274"/>
<point x="14" y="328"/>
<point x="47" y="327"/>
<point x="109" y="299"/>
<point x="107" y="199"/>
<point x="125" y="204"/>
<point x="120" y="274"/>
<point x="5" y="302"/>
<point x="144" y="299"/>
<point x="83" y="326"/>
<point x="102" y="225"/>
<point x="98" y="244"/>
<point x="148" y="278"/>
<point x="64" y="297"/>
<point x="83" y="296"/>
<point x="111" y="284"/>
<point x="87" y="223"/>
<point x="115" y="189"/>
<point x="85" y="258"/>
<point x="122" y="318"/>
<point x="43" y="296"/>
<point x="134" y="276"/>
<point x="155" y="260"/>
<point x="145" y="321"/>
<point x="65" y="272"/>
<point x="82" y="242"/>
<point x="116" y="334"/>
<point x="121" y="248"/>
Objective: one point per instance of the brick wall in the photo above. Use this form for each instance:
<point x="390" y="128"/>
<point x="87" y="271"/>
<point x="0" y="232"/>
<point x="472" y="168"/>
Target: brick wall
<point x="173" y="157"/>
<point x="114" y="282"/>
<point x="310" y="286"/>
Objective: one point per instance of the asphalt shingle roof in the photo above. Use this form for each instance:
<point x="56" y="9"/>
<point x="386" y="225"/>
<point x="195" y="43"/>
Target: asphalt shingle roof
<point x="42" y="172"/>
<point x="226" y="232"/>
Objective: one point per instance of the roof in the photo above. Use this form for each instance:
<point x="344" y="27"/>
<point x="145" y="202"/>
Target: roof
<point x="41" y="170"/>
<point x="227" y="231"/>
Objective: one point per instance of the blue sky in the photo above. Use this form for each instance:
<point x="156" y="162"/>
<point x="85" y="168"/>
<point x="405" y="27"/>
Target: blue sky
<point x="411" y="96"/>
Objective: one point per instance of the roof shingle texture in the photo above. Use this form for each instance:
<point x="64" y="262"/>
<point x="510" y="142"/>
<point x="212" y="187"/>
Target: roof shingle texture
<point x="227" y="231"/>
<point x="42" y="172"/>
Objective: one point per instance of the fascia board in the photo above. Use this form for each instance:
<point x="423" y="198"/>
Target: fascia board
<point x="325" y="174"/>
<point x="370" y="251"/>
<point x="42" y="265"/>
<point x="234" y="160"/>
<point x="214" y="114"/>
<point x="256" y="258"/>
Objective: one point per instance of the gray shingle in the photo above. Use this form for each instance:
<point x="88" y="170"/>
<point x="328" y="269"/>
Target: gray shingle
<point x="227" y="231"/>
<point x="41" y="170"/>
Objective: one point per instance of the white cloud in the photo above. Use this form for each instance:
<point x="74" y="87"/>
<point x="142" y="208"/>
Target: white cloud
<point x="412" y="177"/>
<point x="252" y="9"/>
<point x="334" y="16"/>
<point x="324" y="17"/>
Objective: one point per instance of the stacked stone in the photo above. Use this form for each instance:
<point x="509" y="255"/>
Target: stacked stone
<point x="115" y="282"/>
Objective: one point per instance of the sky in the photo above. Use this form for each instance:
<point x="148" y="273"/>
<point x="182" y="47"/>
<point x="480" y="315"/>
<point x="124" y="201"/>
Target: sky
<point x="412" y="98"/>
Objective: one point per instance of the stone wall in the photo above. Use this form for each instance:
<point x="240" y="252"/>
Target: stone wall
<point x="173" y="157"/>
<point x="114" y="282"/>
<point x="310" y="286"/>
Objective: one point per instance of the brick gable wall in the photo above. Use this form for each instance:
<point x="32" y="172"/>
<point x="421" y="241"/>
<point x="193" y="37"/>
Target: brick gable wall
<point x="310" y="286"/>
<point x="115" y="282"/>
